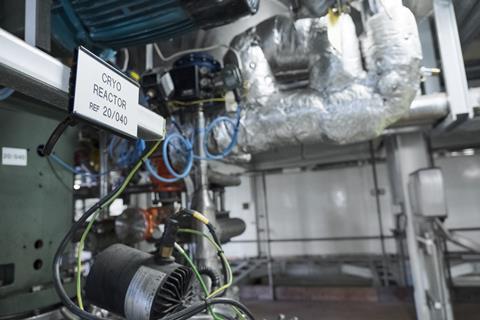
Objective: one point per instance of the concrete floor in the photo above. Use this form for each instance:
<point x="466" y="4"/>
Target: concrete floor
<point x="346" y="310"/>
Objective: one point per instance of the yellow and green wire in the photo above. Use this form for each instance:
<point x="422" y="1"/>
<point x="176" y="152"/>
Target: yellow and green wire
<point x="124" y="185"/>
<point x="81" y="244"/>
<point x="199" y="278"/>
<point x="227" y="264"/>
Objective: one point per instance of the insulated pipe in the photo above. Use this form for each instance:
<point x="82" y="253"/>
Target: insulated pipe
<point x="425" y="110"/>
<point x="223" y="180"/>
<point x="342" y="104"/>
<point x="229" y="228"/>
<point x="205" y="254"/>
<point x="431" y="108"/>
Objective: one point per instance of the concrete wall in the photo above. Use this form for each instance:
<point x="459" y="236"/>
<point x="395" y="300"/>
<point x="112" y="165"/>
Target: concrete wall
<point x="339" y="203"/>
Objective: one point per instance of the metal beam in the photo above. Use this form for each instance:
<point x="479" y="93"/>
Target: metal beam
<point x="38" y="23"/>
<point x="33" y="73"/>
<point x="38" y="75"/>
<point x="452" y="64"/>
<point x="405" y="154"/>
<point x="432" y="83"/>
<point x="259" y="192"/>
<point x="33" y="63"/>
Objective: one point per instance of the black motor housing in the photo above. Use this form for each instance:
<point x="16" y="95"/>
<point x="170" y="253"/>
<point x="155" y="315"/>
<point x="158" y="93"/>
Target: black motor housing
<point x="128" y="282"/>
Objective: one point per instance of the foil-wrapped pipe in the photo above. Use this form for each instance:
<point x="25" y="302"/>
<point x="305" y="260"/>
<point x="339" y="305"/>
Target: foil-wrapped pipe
<point x="223" y="180"/>
<point x="314" y="8"/>
<point x="343" y="103"/>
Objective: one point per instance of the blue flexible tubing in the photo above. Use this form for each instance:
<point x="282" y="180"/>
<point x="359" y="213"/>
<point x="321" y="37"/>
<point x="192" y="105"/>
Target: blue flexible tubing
<point x="235" y="124"/>
<point x="68" y="167"/>
<point x="122" y="154"/>
<point x="5" y="93"/>
<point x="168" y="165"/>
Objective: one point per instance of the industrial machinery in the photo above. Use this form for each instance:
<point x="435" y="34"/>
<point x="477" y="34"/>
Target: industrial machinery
<point x="159" y="283"/>
<point x="136" y="280"/>
<point x="118" y="158"/>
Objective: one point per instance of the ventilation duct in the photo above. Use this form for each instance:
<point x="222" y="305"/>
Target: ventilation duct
<point x="340" y="102"/>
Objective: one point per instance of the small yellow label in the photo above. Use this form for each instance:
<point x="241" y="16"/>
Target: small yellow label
<point x="200" y="217"/>
<point x="334" y="29"/>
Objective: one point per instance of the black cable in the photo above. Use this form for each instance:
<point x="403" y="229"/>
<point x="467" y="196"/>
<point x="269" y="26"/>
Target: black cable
<point x="56" y="134"/>
<point x="212" y="275"/>
<point x="57" y="260"/>
<point x="181" y="315"/>
<point x="212" y="231"/>
<point x="197" y="308"/>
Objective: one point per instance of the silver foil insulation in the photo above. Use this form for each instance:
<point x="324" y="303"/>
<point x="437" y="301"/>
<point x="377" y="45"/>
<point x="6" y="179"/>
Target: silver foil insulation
<point x="337" y="98"/>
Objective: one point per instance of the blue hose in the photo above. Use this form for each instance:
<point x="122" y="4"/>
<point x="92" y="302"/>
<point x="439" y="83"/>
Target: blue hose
<point x="68" y="167"/>
<point x="122" y="153"/>
<point x="5" y="93"/>
<point x="166" y="160"/>
<point x="234" y="123"/>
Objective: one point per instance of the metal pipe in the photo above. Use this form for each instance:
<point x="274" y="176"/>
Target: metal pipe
<point x="271" y="279"/>
<point x="425" y="109"/>
<point x="429" y="109"/>
<point x="149" y="56"/>
<point x="222" y="200"/>
<point x="465" y="229"/>
<point x="229" y="228"/>
<point x="202" y="172"/>
<point x="223" y="180"/>
<point x="205" y="255"/>
<point x="327" y="239"/>
<point x="379" y="211"/>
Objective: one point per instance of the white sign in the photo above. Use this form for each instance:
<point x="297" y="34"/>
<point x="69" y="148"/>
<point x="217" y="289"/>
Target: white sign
<point x="104" y="95"/>
<point x="14" y="157"/>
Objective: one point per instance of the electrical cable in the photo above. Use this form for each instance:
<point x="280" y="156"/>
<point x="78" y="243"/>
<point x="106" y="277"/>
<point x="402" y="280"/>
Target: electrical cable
<point x="56" y="134"/>
<point x="225" y="264"/>
<point x="212" y="275"/>
<point x="195" y="309"/>
<point x="190" y="103"/>
<point x="195" y="50"/>
<point x="228" y="275"/>
<point x="198" y="276"/>
<point x="85" y="234"/>
<point x="94" y="210"/>
<point x="220" y="251"/>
